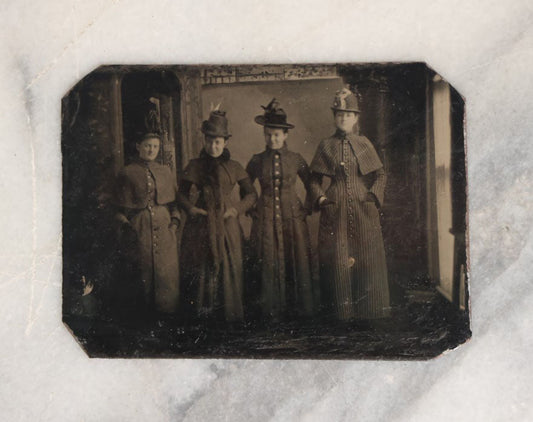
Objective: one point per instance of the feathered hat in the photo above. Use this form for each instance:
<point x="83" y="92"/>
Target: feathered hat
<point x="346" y="100"/>
<point x="217" y="124"/>
<point x="274" y="116"/>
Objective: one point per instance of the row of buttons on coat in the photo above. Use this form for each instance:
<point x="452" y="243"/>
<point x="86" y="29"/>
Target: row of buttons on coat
<point x="349" y="192"/>
<point x="277" y="184"/>
<point x="351" y="223"/>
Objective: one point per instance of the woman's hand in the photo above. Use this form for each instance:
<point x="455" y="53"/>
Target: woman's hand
<point x="323" y="201"/>
<point x="195" y="211"/>
<point x="231" y="212"/>
<point x="174" y="224"/>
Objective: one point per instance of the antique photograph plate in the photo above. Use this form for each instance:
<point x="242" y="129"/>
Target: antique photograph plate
<point x="309" y="211"/>
<point x="80" y="81"/>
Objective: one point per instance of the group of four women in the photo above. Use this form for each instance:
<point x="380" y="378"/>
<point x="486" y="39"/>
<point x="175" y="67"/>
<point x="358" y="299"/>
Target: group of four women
<point x="353" y="274"/>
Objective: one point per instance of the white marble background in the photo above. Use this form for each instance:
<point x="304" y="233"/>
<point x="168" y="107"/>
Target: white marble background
<point x="484" y="48"/>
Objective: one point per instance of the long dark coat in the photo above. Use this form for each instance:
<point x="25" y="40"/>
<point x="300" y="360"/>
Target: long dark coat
<point x="353" y="271"/>
<point x="145" y="196"/>
<point x="211" y="257"/>
<point x="280" y="247"/>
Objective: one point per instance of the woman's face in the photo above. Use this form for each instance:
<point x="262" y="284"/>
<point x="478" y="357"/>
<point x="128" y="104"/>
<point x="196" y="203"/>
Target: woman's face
<point x="215" y="146"/>
<point x="346" y="120"/>
<point x="148" y="149"/>
<point x="274" y="137"/>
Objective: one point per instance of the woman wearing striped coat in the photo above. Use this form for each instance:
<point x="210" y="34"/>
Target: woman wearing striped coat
<point x="353" y="270"/>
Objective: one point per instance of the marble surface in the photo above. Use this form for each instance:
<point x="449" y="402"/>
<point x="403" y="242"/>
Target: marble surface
<point x="484" y="48"/>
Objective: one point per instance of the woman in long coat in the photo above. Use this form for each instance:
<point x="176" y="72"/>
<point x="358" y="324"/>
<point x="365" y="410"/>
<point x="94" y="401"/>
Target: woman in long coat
<point x="146" y="195"/>
<point x="353" y="271"/>
<point x="211" y="257"/>
<point x="280" y="246"/>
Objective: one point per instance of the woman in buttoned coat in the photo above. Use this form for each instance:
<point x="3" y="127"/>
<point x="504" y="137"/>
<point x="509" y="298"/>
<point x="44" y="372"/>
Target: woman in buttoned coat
<point x="146" y="195"/>
<point x="212" y="263"/>
<point x="279" y="241"/>
<point x="353" y="270"/>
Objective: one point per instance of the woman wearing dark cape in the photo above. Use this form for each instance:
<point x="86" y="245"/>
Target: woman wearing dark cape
<point x="211" y="248"/>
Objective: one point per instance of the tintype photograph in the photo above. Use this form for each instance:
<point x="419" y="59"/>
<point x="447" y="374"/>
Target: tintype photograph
<point x="313" y="211"/>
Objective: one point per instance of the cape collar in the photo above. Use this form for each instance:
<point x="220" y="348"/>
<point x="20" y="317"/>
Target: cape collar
<point x="144" y="163"/>
<point x="341" y="134"/>
<point x="224" y="157"/>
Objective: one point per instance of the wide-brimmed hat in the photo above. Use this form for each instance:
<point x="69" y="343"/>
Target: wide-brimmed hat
<point x="274" y="116"/>
<point x="345" y="100"/>
<point x="216" y="125"/>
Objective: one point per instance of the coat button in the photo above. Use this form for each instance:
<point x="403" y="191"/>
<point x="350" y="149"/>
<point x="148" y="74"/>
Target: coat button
<point x="351" y="262"/>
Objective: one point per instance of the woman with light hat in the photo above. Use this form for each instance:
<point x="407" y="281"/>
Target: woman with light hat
<point x="353" y="271"/>
<point x="212" y="237"/>
<point x="280" y="246"/>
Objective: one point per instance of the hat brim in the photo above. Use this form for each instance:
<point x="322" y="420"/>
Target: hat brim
<point x="353" y="110"/>
<point x="216" y="134"/>
<point x="261" y="121"/>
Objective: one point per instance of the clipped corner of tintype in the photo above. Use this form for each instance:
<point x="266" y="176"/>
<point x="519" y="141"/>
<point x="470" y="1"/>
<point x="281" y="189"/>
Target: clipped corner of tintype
<point x="314" y="211"/>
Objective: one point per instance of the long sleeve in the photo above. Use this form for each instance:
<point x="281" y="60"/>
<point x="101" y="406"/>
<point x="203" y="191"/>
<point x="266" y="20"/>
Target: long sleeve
<point x="303" y="172"/>
<point x="174" y="211"/>
<point x="173" y="206"/>
<point x="305" y="176"/>
<point x="248" y="195"/>
<point x="378" y="188"/>
<point x="315" y="190"/>
<point x="183" y="200"/>
<point x="252" y="168"/>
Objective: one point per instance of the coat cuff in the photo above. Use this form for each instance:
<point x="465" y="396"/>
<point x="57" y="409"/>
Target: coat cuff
<point x="175" y="214"/>
<point x="378" y="198"/>
<point x="246" y="203"/>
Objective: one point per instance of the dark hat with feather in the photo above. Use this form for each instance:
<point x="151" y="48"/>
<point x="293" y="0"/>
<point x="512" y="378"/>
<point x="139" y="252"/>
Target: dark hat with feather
<point x="217" y="124"/>
<point x="274" y="116"/>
